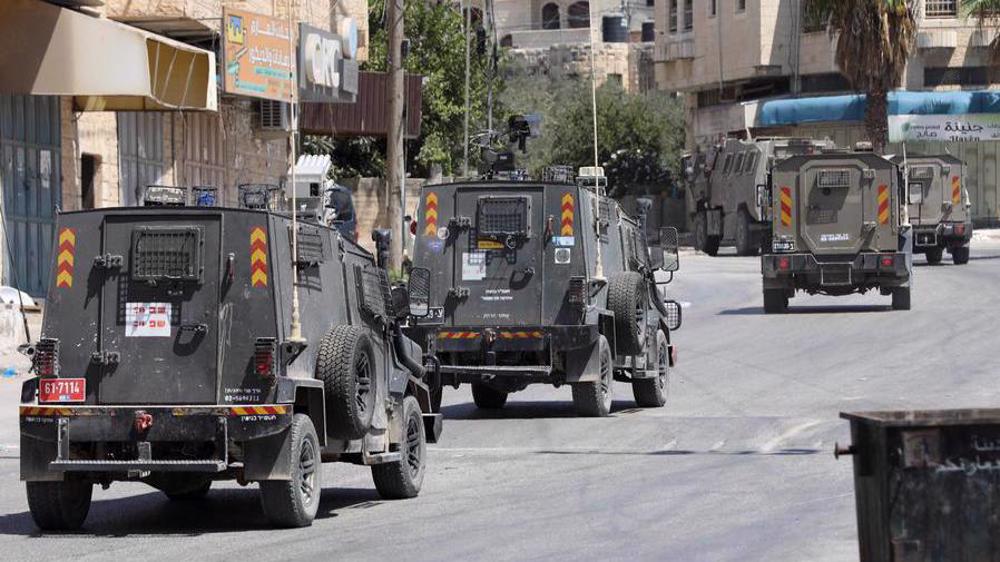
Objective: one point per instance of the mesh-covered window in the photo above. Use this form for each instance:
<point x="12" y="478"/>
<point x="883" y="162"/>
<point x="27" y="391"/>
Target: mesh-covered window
<point x="940" y="8"/>
<point x="834" y="178"/>
<point x="503" y="216"/>
<point x="166" y="254"/>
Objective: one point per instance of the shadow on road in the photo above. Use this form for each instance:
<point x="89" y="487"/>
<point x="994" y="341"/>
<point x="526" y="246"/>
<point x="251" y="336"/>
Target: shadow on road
<point x="759" y="310"/>
<point x="683" y="452"/>
<point x="527" y="410"/>
<point x="152" y="513"/>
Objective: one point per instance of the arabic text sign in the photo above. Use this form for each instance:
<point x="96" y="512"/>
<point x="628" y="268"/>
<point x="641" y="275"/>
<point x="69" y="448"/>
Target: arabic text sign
<point x="944" y="128"/>
<point x="258" y="56"/>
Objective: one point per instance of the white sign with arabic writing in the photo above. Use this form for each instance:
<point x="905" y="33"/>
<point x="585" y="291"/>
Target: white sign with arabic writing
<point x="944" y="128"/>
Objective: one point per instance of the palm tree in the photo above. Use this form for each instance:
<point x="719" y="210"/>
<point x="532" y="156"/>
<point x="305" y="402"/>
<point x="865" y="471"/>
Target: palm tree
<point x="874" y="41"/>
<point x="988" y="14"/>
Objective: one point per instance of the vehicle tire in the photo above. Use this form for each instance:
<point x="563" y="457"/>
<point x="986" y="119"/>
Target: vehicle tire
<point x="775" y="301"/>
<point x="294" y="503"/>
<point x="744" y="237"/>
<point x="628" y="299"/>
<point x="487" y="397"/>
<point x="934" y="255"/>
<point x="346" y="365"/>
<point x="652" y="393"/>
<point x="187" y="488"/>
<point x="402" y="479"/>
<point x="593" y="399"/>
<point x="704" y="242"/>
<point x="59" y="506"/>
<point x="960" y="255"/>
<point x="901" y="298"/>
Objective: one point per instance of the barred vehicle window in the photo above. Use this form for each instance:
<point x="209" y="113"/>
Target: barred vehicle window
<point x="940" y="8"/>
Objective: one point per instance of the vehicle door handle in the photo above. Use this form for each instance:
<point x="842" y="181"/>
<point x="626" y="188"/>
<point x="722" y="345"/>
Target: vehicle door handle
<point x="198" y="329"/>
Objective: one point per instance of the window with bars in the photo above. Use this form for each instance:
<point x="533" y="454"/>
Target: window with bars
<point x="741" y="5"/>
<point x="688" y="15"/>
<point x="713" y="8"/>
<point x="956" y="76"/>
<point x="672" y="15"/>
<point x="940" y="8"/>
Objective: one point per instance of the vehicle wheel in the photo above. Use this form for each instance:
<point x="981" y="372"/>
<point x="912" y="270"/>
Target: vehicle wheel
<point x="652" y="393"/>
<point x="402" y="479"/>
<point x="628" y="299"/>
<point x="934" y="255"/>
<point x="704" y="242"/>
<point x="775" y="301"/>
<point x="744" y="238"/>
<point x="59" y="506"/>
<point x="901" y="298"/>
<point x="487" y="397"/>
<point x="294" y="503"/>
<point x="346" y="365"/>
<point x="593" y="399"/>
<point x="960" y="255"/>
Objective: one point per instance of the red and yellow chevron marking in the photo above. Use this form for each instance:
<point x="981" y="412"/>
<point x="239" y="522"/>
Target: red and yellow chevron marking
<point x="257" y="410"/>
<point x="786" y="206"/>
<point x="458" y="335"/>
<point x="66" y="258"/>
<point x="45" y="411"/>
<point x="522" y="335"/>
<point x="258" y="257"/>
<point x="567" y="215"/>
<point x="883" y="204"/>
<point x="956" y="190"/>
<point x="431" y="214"/>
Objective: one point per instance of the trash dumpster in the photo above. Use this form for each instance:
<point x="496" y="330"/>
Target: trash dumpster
<point x="927" y="484"/>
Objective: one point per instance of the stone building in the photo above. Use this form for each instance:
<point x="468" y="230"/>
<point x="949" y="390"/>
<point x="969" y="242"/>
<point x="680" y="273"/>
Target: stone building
<point x="731" y="59"/>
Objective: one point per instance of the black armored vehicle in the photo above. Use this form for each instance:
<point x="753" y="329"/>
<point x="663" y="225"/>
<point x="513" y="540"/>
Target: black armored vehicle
<point x="544" y="282"/>
<point x="169" y="355"/>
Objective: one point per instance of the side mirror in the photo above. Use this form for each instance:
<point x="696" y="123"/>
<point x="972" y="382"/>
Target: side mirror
<point x="419" y="289"/>
<point x="400" y="302"/>
<point x="669" y="257"/>
<point x="674" y="315"/>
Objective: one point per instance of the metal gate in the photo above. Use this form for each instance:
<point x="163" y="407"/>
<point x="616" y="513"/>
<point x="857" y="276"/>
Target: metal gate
<point x="140" y="154"/>
<point x="204" y="161"/>
<point x="30" y="179"/>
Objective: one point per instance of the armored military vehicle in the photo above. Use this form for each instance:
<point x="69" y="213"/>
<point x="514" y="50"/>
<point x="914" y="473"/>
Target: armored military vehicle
<point x="167" y="357"/>
<point x="837" y="229"/>
<point x="544" y="282"/>
<point x="938" y="205"/>
<point x="726" y="189"/>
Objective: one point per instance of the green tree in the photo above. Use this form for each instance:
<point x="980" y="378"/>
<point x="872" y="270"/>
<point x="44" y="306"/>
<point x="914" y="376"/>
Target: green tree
<point x="874" y="41"/>
<point x="437" y="52"/>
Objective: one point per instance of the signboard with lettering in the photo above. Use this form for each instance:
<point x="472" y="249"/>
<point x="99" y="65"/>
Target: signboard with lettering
<point x="327" y="69"/>
<point x="257" y="55"/>
<point x="973" y="127"/>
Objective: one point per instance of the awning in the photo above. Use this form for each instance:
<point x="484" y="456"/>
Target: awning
<point x="784" y="112"/>
<point x="102" y="64"/>
<point x="369" y="116"/>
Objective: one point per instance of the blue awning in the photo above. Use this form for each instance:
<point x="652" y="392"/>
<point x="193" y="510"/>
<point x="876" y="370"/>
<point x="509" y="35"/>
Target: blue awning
<point x="776" y="113"/>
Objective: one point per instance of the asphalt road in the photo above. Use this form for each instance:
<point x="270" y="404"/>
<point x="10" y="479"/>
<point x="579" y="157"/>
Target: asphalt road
<point x="738" y="466"/>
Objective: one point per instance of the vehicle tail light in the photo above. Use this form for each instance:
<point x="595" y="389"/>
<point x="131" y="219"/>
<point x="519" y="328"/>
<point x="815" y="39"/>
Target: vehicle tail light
<point x="888" y="261"/>
<point x="413" y="228"/>
<point x="577" y="292"/>
<point x="45" y="359"/>
<point x="265" y="350"/>
<point x="784" y="264"/>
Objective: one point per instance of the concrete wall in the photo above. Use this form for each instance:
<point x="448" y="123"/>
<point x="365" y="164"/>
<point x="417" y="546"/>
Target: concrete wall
<point x="631" y="62"/>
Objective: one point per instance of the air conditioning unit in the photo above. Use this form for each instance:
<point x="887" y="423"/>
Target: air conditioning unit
<point x="274" y="118"/>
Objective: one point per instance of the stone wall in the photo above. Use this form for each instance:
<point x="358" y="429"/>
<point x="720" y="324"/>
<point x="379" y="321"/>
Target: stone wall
<point x="631" y="63"/>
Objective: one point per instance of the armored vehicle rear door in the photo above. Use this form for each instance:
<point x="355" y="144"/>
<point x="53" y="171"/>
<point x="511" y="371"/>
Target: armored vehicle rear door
<point x="159" y="309"/>
<point x="936" y="190"/>
<point x="837" y="204"/>
<point x="497" y="258"/>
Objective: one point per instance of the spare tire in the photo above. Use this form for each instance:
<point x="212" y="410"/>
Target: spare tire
<point x="629" y="301"/>
<point x="346" y="365"/>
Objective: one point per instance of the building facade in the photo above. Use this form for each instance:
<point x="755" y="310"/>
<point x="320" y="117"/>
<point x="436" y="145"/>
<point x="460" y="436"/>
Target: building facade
<point x="729" y="57"/>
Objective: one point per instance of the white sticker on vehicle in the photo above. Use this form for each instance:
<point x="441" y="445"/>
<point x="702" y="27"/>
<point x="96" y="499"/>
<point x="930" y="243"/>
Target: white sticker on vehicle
<point x="564" y="241"/>
<point x="838" y="237"/>
<point x="147" y="320"/>
<point x="473" y="266"/>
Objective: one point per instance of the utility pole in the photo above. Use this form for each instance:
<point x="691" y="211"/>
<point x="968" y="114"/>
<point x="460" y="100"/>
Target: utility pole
<point x="394" y="179"/>
<point x="467" y="5"/>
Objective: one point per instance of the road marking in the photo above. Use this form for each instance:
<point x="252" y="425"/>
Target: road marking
<point x="773" y="443"/>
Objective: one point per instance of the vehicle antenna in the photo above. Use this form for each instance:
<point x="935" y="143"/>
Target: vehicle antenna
<point x="296" y="327"/>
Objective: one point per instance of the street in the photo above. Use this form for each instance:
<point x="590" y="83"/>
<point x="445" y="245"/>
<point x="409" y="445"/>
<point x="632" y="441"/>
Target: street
<point x="738" y="466"/>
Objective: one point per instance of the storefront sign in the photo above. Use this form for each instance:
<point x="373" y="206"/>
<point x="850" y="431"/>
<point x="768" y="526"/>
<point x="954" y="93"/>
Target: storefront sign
<point x="258" y="56"/>
<point x="327" y="71"/>
<point x="944" y="128"/>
